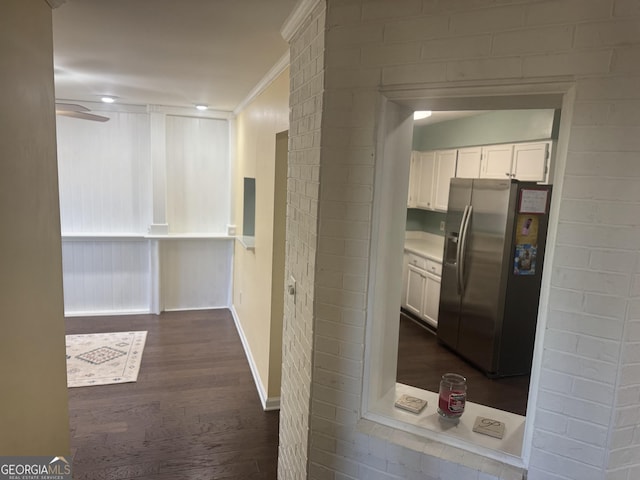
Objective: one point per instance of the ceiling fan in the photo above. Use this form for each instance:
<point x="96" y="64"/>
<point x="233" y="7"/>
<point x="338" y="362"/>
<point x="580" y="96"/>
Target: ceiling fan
<point x="78" y="111"/>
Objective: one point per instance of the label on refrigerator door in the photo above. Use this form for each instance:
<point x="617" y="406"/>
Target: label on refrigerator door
<point x="533" y="200"/>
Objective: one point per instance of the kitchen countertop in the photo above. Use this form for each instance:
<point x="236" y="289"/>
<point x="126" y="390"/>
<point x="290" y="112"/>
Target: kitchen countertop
<point x="425" y="244"/>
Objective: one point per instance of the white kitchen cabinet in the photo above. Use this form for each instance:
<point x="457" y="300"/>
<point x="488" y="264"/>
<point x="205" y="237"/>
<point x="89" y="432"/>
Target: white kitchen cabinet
<point x="531" y="161"/>
<point x="431" y="299"/>
<point x="429" y="178"/>
<point x="469" y="162"/>
<point x="421" y="295"/>
<point x="496" y="161"/>
<point x="445" y="171"/>
<point x="426" y="164"/>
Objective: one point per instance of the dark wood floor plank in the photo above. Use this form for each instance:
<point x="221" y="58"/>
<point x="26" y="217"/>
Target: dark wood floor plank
<point x="193" y="413"/>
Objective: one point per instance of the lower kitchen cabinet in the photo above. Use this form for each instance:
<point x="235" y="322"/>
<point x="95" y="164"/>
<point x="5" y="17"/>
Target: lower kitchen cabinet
<point x="422" y="289"/>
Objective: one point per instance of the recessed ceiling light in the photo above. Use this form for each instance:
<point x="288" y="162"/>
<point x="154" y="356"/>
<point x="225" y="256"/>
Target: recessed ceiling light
<point x="201" y="107"/>
<point x="106" y="99"/>
<point x="420" y="114"/>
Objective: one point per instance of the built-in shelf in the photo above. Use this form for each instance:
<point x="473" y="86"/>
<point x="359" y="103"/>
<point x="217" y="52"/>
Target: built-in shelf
<point x="140" y="236"/>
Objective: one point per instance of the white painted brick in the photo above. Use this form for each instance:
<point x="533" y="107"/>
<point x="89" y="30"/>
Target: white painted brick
<point x="334" y="397"/>
<point x="628" y="396"/>
<point x="613" y="261"/>
<point x="630" y="375"/>
<point x="334" y="462"/>
<point x="556" y="381"/>
<point x="627" y="416"/>
<point x="618" y="164"/>
<point x="353" y="35"/>
<point x="601" y="212"/>
<point x="605" y="139"/>
<point x="601" y="236"/>
<point x="593" y="391"/>
<point x="599" y="282"/>
<point x="587" y="324"/>
<point x="622" y="437"/>
<point x="507" y="67"/>
<point x="552" y="422"/>
<point x="579" y="366"/>
<point x="626" y="8"/>
<point x="599" y="349"/>
<point x="457" y="47"/>
<point x="586" y="432"/>
<point x="631" y="353"/>
<point x="346" y="229"/>
<point x="605" y="189"/>
<point x="487" y="20"/>
<point x="566" y="300"/>
<point x="538" y="40"/>
<point x="343" y="14"/>
<point x="632" y="333"/>
<point x="351" y="350"/>
<point x="349" y="265"/>
<point x="574" y="407"/>
<point x="355" y="193"/>
<point x="591" y="113"/>
<point x="324" y="410"/>
<point x="562" y="341"/>
<point x="626" y="60"/>
<point x="576" y="450"/>
<point x="556" y="463"/>
<point x="567" y="11"/>
<point x="382" y="9"/>
<point x="624" y="456"/>
<point x="394" y="54"/>
<point x="614" y="88"/>
<point x="414" y="73"/>
<point x="341" y="366"/>
<point x="355" y="283"/>
<point x="572" y="256"/>
<point x="613" y="32"/>
<point x="419" y="28"/>
<point x="338" y="331"/>
<point x="575" y="63"/>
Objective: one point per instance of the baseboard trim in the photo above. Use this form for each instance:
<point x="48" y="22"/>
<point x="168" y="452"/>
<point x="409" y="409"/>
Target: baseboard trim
<point x="268" y="403"/>
<point x="107" y="313"/>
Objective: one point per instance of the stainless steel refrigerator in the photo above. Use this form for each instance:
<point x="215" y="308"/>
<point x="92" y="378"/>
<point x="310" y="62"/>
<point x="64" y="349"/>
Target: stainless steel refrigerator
<point x="492" y="268"/>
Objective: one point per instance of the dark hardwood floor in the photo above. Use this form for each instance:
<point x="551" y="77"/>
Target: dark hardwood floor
<point x="194" y="412"/>
<point x="422" y="362"/>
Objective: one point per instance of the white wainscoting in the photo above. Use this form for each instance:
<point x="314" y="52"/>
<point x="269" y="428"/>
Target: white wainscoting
<point x="106" y="276"/>
<point x="195" y="273"/>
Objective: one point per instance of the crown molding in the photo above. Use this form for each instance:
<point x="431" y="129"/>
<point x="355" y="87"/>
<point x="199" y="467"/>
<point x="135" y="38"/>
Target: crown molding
<point x="262" y="85"/>
<point x="301" y="11"/>
<point x="55" y="3"/>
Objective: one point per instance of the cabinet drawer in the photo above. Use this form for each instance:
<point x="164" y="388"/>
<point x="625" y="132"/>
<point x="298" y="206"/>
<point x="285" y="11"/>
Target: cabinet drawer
<point x="434" y="268"/>
<point x="425" y="264"/>
<point x="418" y="261"/>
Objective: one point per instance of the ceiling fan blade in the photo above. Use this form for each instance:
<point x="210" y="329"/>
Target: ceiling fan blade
<point x="83" y="115"/>
<point x="70" y="107"/>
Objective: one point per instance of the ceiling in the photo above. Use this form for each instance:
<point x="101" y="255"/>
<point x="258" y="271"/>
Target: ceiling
<point x="166" y="52"/>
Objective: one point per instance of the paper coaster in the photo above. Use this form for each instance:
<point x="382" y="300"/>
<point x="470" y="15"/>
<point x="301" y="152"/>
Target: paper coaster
<point x="412" y="404"/>
<point x="488" y="426"/>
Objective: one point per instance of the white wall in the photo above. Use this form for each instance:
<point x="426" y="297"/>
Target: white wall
<point x="585" y="409"/>
<point x="109" y="191"/>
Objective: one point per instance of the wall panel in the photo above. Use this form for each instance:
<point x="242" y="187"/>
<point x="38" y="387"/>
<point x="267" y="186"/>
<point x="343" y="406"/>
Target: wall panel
<point x="106" y="276"/>
<point x="195" y="273"/>
<point x="104" y="174"/>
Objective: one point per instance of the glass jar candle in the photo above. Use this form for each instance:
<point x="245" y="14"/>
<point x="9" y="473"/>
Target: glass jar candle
<point x="453" y="395"/>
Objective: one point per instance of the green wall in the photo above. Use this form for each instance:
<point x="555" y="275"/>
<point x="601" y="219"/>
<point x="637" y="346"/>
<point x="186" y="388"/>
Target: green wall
<point x="501" y="126"/>
<point x="425" y="221"/>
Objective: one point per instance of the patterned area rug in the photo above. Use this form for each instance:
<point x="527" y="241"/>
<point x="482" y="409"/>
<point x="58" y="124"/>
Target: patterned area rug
<point x="103" y="358"/>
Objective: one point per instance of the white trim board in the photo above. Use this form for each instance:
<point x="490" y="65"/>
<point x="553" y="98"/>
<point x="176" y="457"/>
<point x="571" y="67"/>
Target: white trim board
<point x="272" y="403"/>
<point x="299" y="14"/>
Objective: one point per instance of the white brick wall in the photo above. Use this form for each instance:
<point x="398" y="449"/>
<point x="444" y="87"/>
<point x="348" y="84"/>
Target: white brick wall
<point x="307" y="51"/>
<point x="588" y="402"/>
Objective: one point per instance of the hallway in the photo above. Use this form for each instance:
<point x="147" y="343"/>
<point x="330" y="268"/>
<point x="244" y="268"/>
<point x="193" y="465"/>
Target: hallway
<point x="193" y="413"/>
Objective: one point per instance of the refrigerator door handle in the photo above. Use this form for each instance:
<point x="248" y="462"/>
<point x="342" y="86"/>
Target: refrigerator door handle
<point x="459" y="247"/>
<point x="463" y="248"/>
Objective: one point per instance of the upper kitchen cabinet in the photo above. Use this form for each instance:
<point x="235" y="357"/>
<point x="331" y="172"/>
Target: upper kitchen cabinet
<point x="421" y="180"/>
<point x="496" y="161"/>
<point x="429" y="179"/>
<point x="469" y="162"/>
<point x="531" y="161"/>
<point x="445" y="171"/>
